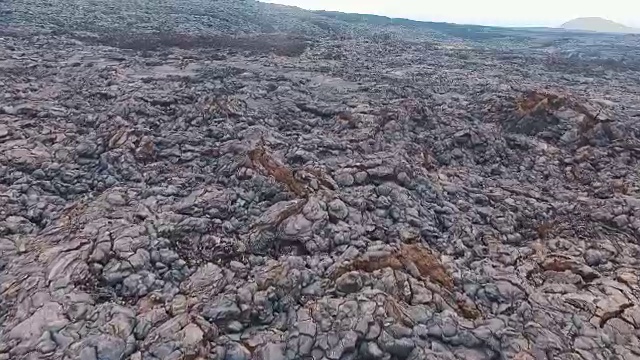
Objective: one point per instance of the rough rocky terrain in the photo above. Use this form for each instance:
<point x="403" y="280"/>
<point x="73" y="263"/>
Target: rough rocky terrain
<point x="236" y="180"/>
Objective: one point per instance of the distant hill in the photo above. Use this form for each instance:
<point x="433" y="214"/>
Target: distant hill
<point x="599" y="25"/>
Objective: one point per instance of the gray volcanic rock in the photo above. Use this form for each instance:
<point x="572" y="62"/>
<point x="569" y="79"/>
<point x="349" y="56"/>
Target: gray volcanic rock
<point x="238" y="180"/>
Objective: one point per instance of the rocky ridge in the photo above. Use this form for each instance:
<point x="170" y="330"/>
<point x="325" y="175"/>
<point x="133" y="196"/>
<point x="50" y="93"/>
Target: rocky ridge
<point x="366" y="193"/>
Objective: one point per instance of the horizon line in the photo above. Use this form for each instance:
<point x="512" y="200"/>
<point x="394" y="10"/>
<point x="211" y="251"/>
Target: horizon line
<point x="505" y="24"/>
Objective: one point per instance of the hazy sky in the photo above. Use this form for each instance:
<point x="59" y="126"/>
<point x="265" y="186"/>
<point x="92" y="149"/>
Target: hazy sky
<point x="486" y="12"/>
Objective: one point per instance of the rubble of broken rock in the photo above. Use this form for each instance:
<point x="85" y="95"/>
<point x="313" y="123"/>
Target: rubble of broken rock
<point x="356" y="198"/>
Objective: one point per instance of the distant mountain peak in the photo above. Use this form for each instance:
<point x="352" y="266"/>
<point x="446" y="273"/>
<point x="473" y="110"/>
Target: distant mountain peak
<point x="598" y="24"/>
